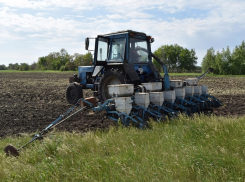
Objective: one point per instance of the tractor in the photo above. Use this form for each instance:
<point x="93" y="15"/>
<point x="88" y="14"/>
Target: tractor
<point x="122" y="57"/>
<point x="125" y="57"/>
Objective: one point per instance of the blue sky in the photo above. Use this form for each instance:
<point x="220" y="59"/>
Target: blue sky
<point x="31" y="29"/>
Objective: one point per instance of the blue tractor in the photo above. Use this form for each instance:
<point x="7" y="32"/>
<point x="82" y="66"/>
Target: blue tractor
<point x="122" y="57"/>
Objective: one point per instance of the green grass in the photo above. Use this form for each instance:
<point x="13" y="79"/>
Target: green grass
<point x="188" y="149"/>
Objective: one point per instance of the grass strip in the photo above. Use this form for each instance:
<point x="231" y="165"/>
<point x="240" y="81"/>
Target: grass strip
<point x="200" y="148"/>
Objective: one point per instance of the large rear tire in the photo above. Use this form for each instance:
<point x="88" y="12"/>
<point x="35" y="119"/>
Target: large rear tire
<point x="74" y="93"/>
<point x="109" y="78"/>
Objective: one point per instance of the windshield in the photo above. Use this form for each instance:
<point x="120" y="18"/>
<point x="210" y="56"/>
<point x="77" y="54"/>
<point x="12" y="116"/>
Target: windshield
<point x="139" y="52"/>
<point x="117" y="49"/>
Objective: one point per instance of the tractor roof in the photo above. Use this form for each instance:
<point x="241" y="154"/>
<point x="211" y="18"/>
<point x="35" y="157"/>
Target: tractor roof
<point x="124" y="32"/>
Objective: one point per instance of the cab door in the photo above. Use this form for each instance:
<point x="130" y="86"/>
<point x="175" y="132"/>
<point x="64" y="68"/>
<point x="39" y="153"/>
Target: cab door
<point x="101" y="54"/>
<point x="101" y="50"/>
<point x="118" y="48"/>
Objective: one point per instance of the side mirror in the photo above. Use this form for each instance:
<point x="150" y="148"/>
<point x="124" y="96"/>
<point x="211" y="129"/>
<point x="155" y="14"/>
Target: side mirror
<point x="152" y="40"/>
<point x="86" y="43"/>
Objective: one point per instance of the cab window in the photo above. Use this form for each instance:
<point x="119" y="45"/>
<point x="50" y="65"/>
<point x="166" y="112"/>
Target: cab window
<point x="117" y="50"/>
<point x="139" y="52"/>
<point x="102" y="49"/>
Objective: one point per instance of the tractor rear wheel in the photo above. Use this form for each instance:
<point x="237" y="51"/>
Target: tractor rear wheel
<point x="109" y="78"/>
<point x="74" y="93"/>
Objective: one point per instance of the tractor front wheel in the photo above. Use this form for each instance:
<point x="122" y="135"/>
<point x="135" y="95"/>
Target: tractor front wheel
<point x="73" y="93"/>
<point x="109" y="78"/>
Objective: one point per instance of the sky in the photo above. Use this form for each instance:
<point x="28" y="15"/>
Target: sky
<point x="32" y="29"/>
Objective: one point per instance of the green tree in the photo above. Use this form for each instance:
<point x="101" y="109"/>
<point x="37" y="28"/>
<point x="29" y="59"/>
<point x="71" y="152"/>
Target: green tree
<point x="187" y="60"/>
<point x="219" y="62"/>
<point x="64" y="58"/>
<point x="176" y="58"/>
<point x="3" y="67"/>
<point x="209" y="61"/>
<point x="42" y="63"/>
<point x="169" y="54"/>
<point x="53" y="61"/>
<point x="33" y="66"/>
<point x="63" y="61"/>
<point x="70" y="65"/>
<point x="238" y="59"/>
<point x="24" y="67"/>
<point x="56" y="60"/>
<point x="16" y="66"/>
<point x="87" y="59"/>
<point x="13" y="66"/>
<point x="225" y="62"/>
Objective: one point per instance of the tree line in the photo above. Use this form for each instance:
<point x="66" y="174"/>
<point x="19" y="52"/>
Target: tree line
<point x="177" y="58"/>
<point x="61" y="61"/>
<point x="19" y="67"/>
<point x="226" y="62"/>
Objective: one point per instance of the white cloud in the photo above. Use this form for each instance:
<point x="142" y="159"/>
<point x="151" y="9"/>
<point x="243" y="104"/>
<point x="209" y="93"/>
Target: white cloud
<point x="26" y="23"/>
<point x="223" y="24"/>
<point x="25" y="4"/>
<point x="115" y="16"/>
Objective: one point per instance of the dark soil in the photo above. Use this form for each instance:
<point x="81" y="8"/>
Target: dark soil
<point x="31" y="101"/>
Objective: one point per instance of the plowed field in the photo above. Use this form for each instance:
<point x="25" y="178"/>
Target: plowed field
<point x="31" y="101"/>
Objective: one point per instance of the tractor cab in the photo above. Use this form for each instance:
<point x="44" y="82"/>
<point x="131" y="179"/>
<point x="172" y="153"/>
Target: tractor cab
<point x="122" y="47"/>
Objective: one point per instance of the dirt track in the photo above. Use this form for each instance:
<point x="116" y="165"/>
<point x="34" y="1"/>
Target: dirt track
<point x="31" y="101"/>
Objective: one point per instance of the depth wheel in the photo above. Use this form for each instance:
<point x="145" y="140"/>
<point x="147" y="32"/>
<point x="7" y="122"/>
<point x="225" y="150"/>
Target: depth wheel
<point x="109" y="78"/>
